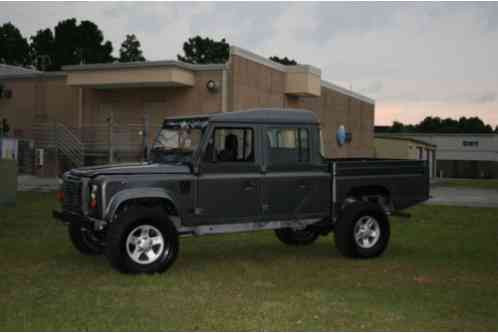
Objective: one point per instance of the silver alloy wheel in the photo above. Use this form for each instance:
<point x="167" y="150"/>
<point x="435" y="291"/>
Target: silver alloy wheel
<point x="145" y="244"/>
<point x="366" y="232"/>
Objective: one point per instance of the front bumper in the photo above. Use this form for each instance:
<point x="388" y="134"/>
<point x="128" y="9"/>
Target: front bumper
<point x="67" y="217"/>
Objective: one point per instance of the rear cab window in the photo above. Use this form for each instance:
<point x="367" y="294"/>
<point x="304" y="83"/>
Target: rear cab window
<point x="287" y="145"/>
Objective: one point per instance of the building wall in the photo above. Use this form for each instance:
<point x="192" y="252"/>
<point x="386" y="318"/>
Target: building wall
<point x="392" y="148"/>
<point x="254" y="85"/>
<point x="404" y="148"/>
<point x="257" y="85"/>
<point x="451" y="146"/>
<point x="467" y="169"/>
<point x="129" y="105"/>
<point x="22" y="107"/>
<point x="335" y="109"/>
<point x="400" y="148"/>
<point x="37" y="100"/>
<point x="60" y="101"/>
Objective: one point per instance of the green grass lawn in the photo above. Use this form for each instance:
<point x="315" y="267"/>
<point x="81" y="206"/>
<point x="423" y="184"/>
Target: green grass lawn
<point x="439" y="273"/>
<point x="491" y="184"/>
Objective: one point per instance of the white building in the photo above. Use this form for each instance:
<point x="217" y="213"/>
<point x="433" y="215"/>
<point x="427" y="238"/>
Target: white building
<point x="462" y="155"/>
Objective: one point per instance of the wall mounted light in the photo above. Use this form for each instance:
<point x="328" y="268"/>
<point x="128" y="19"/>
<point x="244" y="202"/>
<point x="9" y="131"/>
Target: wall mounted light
<point x="212" y="86"/>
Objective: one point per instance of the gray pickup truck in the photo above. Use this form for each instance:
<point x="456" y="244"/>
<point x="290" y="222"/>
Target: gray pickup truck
<point x="233" y="172"/>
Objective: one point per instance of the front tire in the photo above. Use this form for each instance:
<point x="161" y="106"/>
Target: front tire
<point x="142" y="240"/>
<point x="296" y="237"/>
<point x="363" y="230"/>
<point x="84" y="240"/>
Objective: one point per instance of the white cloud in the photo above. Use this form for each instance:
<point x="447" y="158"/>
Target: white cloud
<point x="424" y="57"/>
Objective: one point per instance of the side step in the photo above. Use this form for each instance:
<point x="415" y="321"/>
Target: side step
<point x="240" y="227"/>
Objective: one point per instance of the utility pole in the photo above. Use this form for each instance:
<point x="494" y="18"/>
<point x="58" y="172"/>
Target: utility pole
<point x="110" y="121"/>
<point x="145" y="136"/>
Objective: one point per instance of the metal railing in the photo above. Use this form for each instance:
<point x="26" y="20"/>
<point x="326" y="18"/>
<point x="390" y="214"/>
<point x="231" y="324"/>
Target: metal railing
<point x="69" y="145"/>
<point x="56" y="136"/>
<point x="94" y="143"/>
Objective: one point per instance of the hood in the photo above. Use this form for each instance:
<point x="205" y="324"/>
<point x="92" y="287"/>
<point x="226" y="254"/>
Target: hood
<point x="144" y="168"/>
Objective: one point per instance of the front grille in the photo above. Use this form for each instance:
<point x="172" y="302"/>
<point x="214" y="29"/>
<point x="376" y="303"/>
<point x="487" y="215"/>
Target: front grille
<point x="72" y="194"/>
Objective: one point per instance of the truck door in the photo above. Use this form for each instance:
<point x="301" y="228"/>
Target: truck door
<point x="291" y="188"/>
<point x="229" y="181"/>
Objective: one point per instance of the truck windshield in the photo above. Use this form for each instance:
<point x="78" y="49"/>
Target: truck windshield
<point x="177" y="142"/>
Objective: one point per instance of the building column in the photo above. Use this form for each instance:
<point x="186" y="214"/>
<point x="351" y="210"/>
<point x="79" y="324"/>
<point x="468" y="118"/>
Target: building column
<point x="80" y="108"/>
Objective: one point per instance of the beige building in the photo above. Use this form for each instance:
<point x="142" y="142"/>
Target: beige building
<point x="398" y="147"/>
<point x="89" y="113"/>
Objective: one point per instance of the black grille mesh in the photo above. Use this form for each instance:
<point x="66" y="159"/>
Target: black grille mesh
<point x="72" y="195"/>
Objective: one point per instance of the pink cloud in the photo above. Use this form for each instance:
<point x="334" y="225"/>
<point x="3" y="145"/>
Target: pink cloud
<point x="414" y="112"/>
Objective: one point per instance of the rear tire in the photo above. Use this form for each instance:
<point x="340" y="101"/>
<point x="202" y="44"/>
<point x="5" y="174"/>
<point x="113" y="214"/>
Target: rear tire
<point x="363" y="230"/>
<point x="83" y="240"/>
<point x="296" y="237"/>
<point x="142" y="240"/>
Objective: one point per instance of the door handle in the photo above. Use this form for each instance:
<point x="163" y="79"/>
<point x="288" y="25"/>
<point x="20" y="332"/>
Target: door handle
<point x="302" y="186"/>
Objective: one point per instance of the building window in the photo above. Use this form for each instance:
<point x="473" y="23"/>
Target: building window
<point x="288" y="145"/>
<point x="466" y="143"/>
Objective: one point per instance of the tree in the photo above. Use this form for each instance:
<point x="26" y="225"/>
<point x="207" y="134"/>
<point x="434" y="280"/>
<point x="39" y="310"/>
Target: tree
<point x="14" y="48"/>
<point x="284" y="61"/>
<point x="397" y="127"/>
<point x="473" y="125"/>
<point x="92" y="48"/>
<point x="198" y="50"/>
<point x="43" y="50"/>
<point x="447" y="125"/>
<point x="70" y="44"/>
<point x="130" y="50"/>
<point x="429" y="125"/>
<point x="66" y="43"/>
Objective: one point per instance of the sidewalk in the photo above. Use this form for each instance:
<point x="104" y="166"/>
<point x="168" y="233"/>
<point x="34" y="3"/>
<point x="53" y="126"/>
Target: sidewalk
<point x="30" y="183"/>
<point x="464" y="197"/>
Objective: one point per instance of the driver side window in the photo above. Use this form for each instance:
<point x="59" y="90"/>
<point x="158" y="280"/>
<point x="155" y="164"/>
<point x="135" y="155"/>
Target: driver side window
<point x="229" y="144"/>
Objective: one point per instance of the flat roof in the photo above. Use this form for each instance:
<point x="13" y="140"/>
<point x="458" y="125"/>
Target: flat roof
<point x="18" y="72"/>
<point x="404" y="138"/>
<point x="144" y="64"/>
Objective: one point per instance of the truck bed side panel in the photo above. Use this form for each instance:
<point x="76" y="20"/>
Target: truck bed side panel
<point x="405" y="182"/>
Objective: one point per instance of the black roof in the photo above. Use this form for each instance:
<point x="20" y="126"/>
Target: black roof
<point x="268" y="115"/>
<point x="265" y="116"/>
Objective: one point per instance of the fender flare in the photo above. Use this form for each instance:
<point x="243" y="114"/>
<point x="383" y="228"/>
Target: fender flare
<point x="135" y="193"/>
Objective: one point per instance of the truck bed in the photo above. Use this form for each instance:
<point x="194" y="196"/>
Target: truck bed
<point x="404" y="182"/>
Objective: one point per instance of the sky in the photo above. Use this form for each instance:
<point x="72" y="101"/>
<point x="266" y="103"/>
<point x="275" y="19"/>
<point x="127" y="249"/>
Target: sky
<point x="414" y="59"/>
